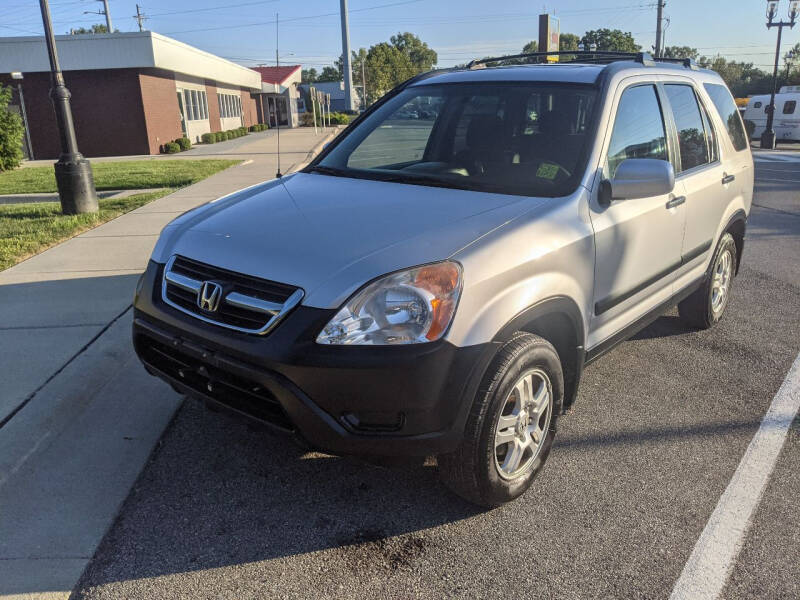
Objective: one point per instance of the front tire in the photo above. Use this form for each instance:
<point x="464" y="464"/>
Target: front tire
<point x="511" y="426"/>
<point x="705" y="307"/>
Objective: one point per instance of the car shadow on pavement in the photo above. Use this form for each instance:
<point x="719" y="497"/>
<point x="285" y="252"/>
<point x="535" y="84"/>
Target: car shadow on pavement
<point x="665" y="326"/>
<point x="219" y="492"/>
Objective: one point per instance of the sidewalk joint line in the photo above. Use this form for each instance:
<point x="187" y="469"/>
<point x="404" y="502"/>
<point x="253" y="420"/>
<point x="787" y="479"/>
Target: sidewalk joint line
<point x="30" y="396"/>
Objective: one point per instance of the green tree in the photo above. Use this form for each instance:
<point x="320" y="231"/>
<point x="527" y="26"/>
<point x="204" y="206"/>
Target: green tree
<point x="308" y="75"/>
<point x="742" y="78"/>
<point x="611" y="40"/>
<point x="96" y="28"/>
<point x="681" y="52"/>
<point x="568" y="41"/>
<point x="421" y="56"/>
<point x="532" y="46"/>
<point x="330" y="74"/>
<point x="11" y="131"/>
<point x="387" y="66"/>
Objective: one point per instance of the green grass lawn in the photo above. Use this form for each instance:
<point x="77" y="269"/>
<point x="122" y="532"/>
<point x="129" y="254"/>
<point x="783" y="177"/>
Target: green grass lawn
<point x="120" y="175"/>
<point x="27" y="229"/>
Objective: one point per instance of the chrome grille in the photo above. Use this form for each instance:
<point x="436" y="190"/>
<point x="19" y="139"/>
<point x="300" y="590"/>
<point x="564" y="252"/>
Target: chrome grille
<point x="245" y="303"/>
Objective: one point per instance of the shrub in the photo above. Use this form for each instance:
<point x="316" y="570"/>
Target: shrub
<point x="306" y="119"/>
<point x="185" y="143"/>
<point x="228" y="135"/>
<point x="242" y="130"/>
<point x="253" y="128"/>
<point x="208" y="138"/>
<point x="171" y="148"/>
<point x="219" y="136"/>
<point x="11" y="131"/>
<point x="338" y="118"/>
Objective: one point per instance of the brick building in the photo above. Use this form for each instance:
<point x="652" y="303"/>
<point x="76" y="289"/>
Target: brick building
<point x="131" y="92"/>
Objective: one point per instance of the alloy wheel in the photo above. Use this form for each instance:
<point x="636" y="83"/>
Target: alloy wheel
<point x="523" y="424"/>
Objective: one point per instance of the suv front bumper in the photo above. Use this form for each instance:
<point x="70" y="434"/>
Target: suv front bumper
<point x="364" y="400"/>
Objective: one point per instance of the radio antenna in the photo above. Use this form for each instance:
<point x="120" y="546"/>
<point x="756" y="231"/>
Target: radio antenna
<point x="278" y="100"/>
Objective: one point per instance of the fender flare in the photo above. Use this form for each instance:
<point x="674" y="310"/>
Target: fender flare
<point x="574" y="349"/>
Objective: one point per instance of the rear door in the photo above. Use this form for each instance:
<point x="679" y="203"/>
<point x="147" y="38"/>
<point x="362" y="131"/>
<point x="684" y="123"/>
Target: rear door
<point x="637" y="241"/>
<point x="699" y="172"/>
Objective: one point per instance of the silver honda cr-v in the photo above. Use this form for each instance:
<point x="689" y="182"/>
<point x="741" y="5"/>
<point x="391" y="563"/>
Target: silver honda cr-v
<point x="434" y="282"/>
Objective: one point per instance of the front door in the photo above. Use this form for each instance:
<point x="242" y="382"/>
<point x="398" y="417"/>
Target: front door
<point x="637" y="241"/>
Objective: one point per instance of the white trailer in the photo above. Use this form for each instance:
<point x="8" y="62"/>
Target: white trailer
<point x="787" y="113"/>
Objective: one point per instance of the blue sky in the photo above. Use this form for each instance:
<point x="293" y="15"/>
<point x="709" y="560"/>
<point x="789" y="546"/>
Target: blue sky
<point x="309" y="31"/>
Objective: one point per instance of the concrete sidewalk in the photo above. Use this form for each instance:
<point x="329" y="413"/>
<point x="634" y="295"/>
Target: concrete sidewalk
<point x="78" y="415"/>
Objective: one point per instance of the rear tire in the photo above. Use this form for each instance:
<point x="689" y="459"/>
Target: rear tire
<point x="511" y="425"/>
<point x="705" y="307"/>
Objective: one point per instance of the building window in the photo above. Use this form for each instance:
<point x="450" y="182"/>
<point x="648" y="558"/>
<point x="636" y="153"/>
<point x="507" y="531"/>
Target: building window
<point x="230" y="105"/>
<point x="204" y="105"/>
<point x="195" y="105"/>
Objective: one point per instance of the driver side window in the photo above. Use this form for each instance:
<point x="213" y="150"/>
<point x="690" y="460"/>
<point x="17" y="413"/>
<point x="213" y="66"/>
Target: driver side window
<point x="639" y="130"/>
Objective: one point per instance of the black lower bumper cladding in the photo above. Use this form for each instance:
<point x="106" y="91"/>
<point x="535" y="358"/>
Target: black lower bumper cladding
<point x="391" y="401"/>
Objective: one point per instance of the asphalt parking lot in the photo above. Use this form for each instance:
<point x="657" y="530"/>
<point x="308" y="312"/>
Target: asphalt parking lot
<point x="640" y="462"/>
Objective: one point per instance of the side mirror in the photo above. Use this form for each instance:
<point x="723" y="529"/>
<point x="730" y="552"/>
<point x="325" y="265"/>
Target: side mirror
<point x="638" y="178"/>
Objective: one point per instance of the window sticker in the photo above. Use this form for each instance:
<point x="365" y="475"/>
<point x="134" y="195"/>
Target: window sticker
<point x="547" y="170"/>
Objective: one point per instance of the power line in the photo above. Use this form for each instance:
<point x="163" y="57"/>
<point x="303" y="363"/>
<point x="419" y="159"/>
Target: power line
<point x="333" y="14"/>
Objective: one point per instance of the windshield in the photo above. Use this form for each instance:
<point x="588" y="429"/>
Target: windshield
<point x="520" y="138"/>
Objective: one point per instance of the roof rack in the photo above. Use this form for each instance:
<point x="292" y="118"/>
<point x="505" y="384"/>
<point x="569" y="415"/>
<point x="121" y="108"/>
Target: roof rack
<point x="585" y="56"/>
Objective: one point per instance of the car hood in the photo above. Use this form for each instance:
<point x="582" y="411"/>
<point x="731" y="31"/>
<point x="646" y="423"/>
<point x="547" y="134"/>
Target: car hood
<point x="330" y="235"/>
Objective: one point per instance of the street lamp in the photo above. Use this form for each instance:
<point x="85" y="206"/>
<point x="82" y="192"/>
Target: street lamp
<point x="73" y="172"/>
<point x="768" y="138"/>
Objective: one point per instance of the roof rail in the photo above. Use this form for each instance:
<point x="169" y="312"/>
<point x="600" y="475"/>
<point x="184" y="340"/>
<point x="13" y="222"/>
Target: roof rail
<point x="585" y="56"/>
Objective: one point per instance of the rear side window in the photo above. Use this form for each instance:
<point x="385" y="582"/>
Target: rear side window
<point x="789" y="106"/>
<point x="726" y="107"/>
<point x="756" y="105"/>
<point x="638" y="129"/>
<point x="689" y="123"/>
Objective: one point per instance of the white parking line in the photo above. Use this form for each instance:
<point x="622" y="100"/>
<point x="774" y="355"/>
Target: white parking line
<point x="714" y="554"/>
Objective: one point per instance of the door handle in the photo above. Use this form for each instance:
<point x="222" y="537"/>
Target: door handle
<point x="726" y="179"/>
<point x="676" y="201"/>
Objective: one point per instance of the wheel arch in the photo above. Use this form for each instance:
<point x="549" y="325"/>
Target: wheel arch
<point x="558" y="320"/>
<point x="736" y="227"/>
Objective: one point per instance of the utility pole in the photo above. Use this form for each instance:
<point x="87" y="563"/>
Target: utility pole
<point x="140" y="17"/>
<point x="769" y="138"/>
<point x="108" y="16"/>
<point x="346" y="58"/>
<point x="73" y="172"/>
<point x="659" y="20"/>
<point x="105" y="12"/>
<point x="363" y="82"/>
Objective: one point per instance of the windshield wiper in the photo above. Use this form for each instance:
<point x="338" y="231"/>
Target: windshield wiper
<point x="333" y="171"/>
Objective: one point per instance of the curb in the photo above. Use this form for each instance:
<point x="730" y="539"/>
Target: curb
<point x="315" y="150"/>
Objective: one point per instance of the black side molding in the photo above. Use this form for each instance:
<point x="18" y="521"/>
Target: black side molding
<point x="611" y="301"/>
<point x="597" y="351"/>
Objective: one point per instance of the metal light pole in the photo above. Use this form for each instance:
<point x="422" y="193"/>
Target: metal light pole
<point x="768" y="138"/>
<point x="73" y="172"/>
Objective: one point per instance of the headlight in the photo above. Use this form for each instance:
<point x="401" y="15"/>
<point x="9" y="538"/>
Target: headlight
<point x="407" y="307"/>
